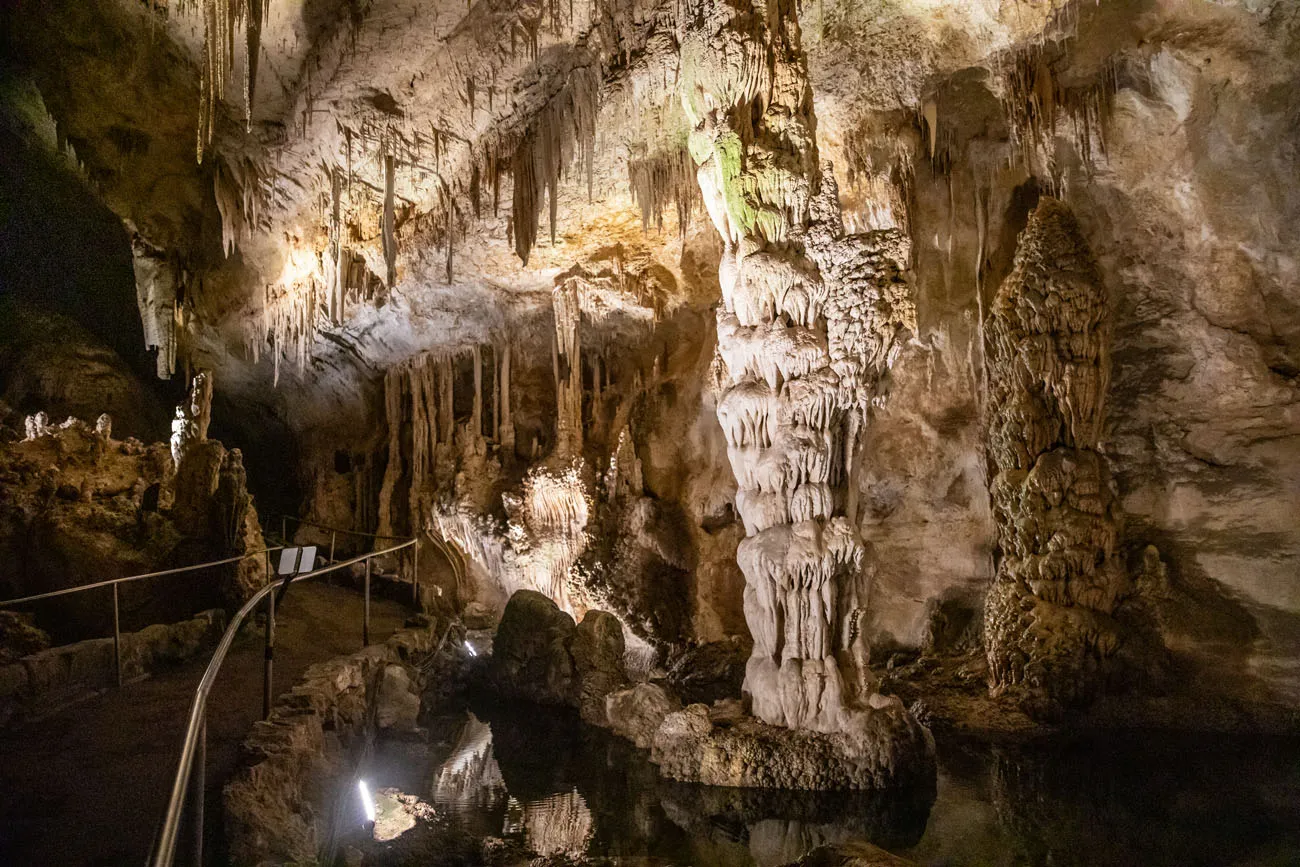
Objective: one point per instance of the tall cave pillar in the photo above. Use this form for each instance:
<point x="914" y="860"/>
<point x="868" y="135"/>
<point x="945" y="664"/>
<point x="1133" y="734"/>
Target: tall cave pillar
<point x="1048" y="617"/>
<point x="566" y="360"/>
<point x="810" y="319"/>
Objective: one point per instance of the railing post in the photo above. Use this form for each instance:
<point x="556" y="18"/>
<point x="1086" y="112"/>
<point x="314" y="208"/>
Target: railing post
<point x="268" y="674"/>
<point x="365" y="619"/>
<point x="117" y="638"/>
<point x="415" y="573"/>
<point x="333" y="536"/>
<point x="197" y="785"/>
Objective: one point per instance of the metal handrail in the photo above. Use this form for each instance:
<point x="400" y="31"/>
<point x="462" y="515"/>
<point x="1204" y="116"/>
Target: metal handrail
<point x="195" y="742"/>
<point x="159" y="574"/>
<point x="318" y="525"/>
<point x="117" y="608"/>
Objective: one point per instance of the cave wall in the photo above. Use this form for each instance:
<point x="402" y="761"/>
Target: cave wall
<point x="1191" y="214"/>
<point x="1172" y="139"/>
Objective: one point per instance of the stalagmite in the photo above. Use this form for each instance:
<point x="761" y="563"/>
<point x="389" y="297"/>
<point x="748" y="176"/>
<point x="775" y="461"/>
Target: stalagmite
<point x="1048" y="616"/>
<point x="193" y="416"/>
<point x="810" y="320"/>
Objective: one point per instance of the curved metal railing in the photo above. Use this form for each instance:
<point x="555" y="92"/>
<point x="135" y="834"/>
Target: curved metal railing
<point x="189" y="782"/>
<point x="117" y="582"/>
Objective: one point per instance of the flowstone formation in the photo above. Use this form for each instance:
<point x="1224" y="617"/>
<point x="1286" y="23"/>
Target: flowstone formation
<point x="1049" y="625"/>
<point x="809" y="322"/>
<point x="79" y="506"/>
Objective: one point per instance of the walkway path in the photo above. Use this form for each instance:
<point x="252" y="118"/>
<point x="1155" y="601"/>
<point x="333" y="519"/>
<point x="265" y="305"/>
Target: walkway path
<point x="88" y="785"/>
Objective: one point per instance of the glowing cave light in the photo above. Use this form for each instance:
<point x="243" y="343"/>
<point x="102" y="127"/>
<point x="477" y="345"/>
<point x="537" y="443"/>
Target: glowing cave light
<point x="367" y="802"/>
<point x="470" y="648"/>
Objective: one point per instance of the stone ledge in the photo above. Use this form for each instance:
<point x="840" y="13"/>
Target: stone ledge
<point x="279" y="802"/>
<point x="62" y="674"/>
<point x="888" y="749"/>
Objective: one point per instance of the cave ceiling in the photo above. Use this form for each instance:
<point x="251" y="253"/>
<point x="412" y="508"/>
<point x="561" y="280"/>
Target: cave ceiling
<point x="425" y="114"/>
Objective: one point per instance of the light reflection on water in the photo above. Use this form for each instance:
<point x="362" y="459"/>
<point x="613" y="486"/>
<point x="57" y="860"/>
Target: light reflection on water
<point x="559" y="788"/>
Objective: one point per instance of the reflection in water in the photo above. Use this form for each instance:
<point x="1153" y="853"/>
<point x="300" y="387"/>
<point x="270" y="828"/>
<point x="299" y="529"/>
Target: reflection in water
<point x="469" y="786"/>
<point x="469" y="783"/>
<point x="556" y="787"/>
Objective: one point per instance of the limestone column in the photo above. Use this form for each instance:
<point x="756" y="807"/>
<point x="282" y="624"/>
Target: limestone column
<point x="809" y="320"/>
<point x="507" y="434"/>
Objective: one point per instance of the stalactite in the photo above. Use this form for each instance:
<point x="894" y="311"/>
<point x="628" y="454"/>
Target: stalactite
<point x="496" y="390"/>
<point x="235" y="188"/>
<point x="393" y="470"/>
<point x="156" y="282"/>
<point x="446" y="398"/>
<point x="506" y="437"/>
<point x="387" y="227"/>
<point x="253" y="43"/>
<point x="663" y="179"/>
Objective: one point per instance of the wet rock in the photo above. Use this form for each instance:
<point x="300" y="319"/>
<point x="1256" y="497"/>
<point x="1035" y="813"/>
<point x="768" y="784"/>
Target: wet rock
<point x="637" y="713"/>
<point x="398" y="702"/>
<point x="883" y="747"/>
<point x="540" y="655"/>
<point x="279" y="802"/>
<point x="853" y="854"/>
<point x="598" y="650"/>
<point x="709" y="672"/>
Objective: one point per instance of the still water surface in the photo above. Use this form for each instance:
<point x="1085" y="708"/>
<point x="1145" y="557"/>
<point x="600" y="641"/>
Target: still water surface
<point x="1125" y="800"/>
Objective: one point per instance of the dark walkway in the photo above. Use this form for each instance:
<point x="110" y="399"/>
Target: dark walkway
<point x="88" y="785"/>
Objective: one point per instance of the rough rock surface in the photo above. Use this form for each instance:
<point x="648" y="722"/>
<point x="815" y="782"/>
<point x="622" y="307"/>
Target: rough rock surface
<point x="79" y="506"/>
<point x="637" y="713"/>
<point x="48" y="676"/>
<point x="890" y="750"/>
<point x="279" y="803"/>
<point x="855" y="854"/>
<point x="540" y="655"/>
<point x="1049" y="619"/>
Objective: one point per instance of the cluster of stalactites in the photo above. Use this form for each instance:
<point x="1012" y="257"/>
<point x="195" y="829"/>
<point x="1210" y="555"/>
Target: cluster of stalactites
<point x="1048" y="620"/>
<point x="221" y="20"/>
<point x="1038" y="106"/>
<point x="563" y="132"/>
<point x="663" y="179"/>
<point x="418" y="397"/>
<point x="419" y="404"/>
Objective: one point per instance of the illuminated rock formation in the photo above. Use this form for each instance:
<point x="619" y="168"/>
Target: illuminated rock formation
<point x="810" y="320"/>
<point x="1048" y="618"/>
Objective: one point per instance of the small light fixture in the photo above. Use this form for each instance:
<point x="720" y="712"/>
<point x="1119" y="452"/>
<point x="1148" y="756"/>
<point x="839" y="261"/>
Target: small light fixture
<point x="470" y="648"/>
<point x="367" y="802"/>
